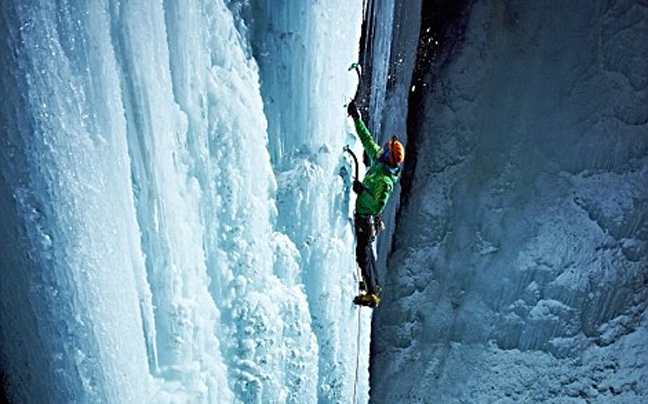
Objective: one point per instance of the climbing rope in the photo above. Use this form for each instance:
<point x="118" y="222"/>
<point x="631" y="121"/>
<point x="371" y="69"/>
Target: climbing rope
<point x="358" y="276"/>
<point x="355" y="382"/>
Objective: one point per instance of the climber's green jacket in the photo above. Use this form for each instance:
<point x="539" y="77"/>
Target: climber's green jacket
<point x="379" y="179"/>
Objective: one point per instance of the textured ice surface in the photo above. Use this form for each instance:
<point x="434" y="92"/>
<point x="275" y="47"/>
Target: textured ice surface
<point x="174" y="223"/>
<point x="519" y="270"/>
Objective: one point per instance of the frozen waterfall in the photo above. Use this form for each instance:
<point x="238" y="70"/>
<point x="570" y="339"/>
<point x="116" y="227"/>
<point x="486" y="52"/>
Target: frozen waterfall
<point x="174" y="223"/>
<point x="175" y="203"/>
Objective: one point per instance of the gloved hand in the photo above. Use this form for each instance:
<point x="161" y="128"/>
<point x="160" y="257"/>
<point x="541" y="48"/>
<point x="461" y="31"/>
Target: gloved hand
<point x="358" y="187"/>
<point x="352" y="110"/>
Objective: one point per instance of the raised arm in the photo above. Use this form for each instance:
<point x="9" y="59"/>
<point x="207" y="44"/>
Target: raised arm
<point x="370" y="146"/>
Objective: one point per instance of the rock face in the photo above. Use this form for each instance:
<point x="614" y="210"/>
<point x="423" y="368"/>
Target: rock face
<point x="519" y="270"/>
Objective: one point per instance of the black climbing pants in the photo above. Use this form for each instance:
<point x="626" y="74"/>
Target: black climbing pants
<point x="365" y="235"/>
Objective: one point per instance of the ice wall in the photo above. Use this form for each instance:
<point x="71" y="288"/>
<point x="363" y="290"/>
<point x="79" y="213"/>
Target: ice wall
<point x="161" y="239"/>
<point x="71" y="329"/>
<point x="519" y="269"/>
<point x="304" y="51"/>
<point x="392" y="61"/>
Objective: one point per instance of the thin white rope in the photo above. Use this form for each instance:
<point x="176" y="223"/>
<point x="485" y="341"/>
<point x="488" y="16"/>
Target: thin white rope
<point x="355" y="383"/>
<point x="357" y="369"/>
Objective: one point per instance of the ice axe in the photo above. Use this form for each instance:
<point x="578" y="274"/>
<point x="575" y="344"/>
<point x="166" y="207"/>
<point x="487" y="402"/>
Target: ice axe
<point x="355" y="160"/>
<point x="358" y="69"/>
<point x="358" y="186"/>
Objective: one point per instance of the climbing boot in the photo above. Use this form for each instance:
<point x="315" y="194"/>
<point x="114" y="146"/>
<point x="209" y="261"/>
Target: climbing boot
<point x="369" y="300"/>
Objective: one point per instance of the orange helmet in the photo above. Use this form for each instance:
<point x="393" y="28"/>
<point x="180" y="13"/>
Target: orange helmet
<point x="393" y="152"/>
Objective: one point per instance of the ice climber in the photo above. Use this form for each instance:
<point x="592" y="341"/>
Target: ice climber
<point x="373" y="193"/>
